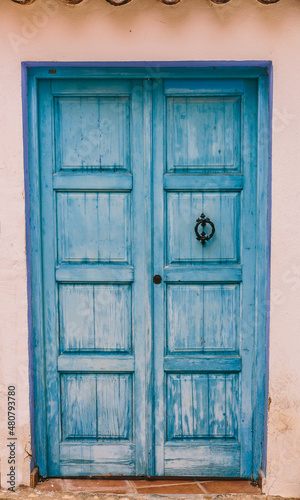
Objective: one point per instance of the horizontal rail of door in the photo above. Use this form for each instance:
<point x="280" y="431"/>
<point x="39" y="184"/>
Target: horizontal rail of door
<point x="206" y="87"/>
<point x="203" y="364"/>
<point x="96" y="86"/>
<point x="83" y="459"/>
<point x="92" y="363"/>
<point x="93" y="273"/>
<point x="191" y="459"/>
<point x="101" y="181"/>
<point x="198" y="274"/>
<point x="118" y="274"/>
<point x="85" y="363"/>
<point x="212" y="182"/>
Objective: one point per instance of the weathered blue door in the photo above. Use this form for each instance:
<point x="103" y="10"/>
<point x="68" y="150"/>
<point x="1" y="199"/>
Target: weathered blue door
<point x="146" y="375"/>
<point x="204" y="313"/>
<point x="93" y="269"/>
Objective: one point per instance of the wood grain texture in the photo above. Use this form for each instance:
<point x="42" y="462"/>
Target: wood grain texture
<point x="46" y="172"/>
<point x="82" y="459"/>
<point x="93" y="227"/>
<point x="201" y="406"/>
<point x="159" y="323"/>
<point x="36" y="279"/>
<point x="203" y="274"/>
<point x="96" y="406"/>
<point x="90" y="206"/>
<point x="210" y="168"/>
<point x="78" y="407"/>
<point x="95" y="318"/>
<point x="199" y="459"/>
<point x="114" y="405"/>
<point x="83" y="182"/>
<point x="74" y="273"/>
<point x="183" y="210"/>
<point x="262" y="271"/>
<point x="92" y="133"/>
<point x="95" y="363"/>
<point x="207" y="182"/>
<point x="193" y="122"/>
<point x="203" y="363"/>
<point x="202" y="317"/>
<point x="248" y="319"/>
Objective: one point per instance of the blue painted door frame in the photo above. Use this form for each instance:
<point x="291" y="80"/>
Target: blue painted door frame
<point x="131" y="377"/>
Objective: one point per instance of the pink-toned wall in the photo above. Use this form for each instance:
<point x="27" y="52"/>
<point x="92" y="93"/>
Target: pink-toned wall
<point x="146" y="30"/>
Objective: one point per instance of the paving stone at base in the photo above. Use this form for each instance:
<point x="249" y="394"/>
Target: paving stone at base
<point x="99" y="486"/>
<point x="225" y="487"/>
<point x="55" y="484"/>
<point x="176" y="489"/>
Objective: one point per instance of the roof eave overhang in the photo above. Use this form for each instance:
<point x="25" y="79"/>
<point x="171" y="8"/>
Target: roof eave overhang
<point x="117" y="3"/>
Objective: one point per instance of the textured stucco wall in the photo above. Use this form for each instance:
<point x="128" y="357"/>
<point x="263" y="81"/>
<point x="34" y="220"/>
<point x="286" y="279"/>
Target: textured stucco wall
<point x="148" y="30"/>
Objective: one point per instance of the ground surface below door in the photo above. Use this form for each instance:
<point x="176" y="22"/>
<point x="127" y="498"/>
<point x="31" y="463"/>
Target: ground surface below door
<point x="141" y="486"/>
<point x="28" y="493"/>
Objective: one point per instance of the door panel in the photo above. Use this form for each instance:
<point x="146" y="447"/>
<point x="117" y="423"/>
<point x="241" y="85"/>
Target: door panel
<point x="198" y="121"/>
<point x="94" y="276"/>
<point x="92" y="133"/>
<point x="201" y="406"/>
<point x="96" y="407"/>
<point x="205" y="163"/>
<point x="95" y="318"/>
<point x="183" y="211"/>
<point x="93" y="227"/>
<point x="202" y="318"/>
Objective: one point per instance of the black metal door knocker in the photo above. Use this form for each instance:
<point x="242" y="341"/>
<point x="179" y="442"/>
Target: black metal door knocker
<point x="203" y="237"/>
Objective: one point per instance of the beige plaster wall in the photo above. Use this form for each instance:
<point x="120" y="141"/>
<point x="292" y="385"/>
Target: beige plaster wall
<point x="148" y="30"/>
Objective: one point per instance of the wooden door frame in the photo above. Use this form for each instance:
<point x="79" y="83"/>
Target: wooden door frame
<point x="31" y="73"/>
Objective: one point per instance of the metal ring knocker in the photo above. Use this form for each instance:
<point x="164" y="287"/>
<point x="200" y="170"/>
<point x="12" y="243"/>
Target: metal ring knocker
<point x="203" y="237"/>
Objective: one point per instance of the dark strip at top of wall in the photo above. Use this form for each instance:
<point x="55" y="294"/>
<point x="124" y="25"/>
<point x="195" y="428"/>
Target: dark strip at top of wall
<point x="123" y="2"/>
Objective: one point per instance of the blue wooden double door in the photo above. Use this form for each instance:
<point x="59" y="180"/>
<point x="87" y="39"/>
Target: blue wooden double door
<point x="148" y="214"/>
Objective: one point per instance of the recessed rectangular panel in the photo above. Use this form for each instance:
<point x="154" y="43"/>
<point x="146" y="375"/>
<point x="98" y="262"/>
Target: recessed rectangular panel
<point x="202" y="317"/>
<point x="202" y="406"/>
<point x="96" y="406"/>
<point x="203" y="133"/>
<point x="78" y="407"/>
<point x="93" y="227"/>
<point x="183" y="210"/>
<point x="92" y="133"/>
<point x="114" y="406"/>
<point x="95" y="318"/>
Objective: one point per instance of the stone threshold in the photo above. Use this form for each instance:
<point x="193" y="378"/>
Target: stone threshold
<point x="163" y="486"/>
